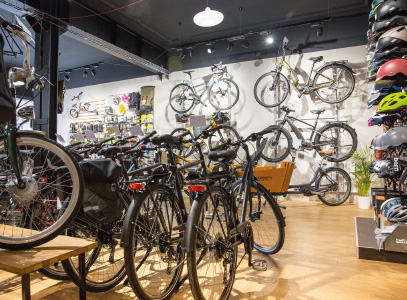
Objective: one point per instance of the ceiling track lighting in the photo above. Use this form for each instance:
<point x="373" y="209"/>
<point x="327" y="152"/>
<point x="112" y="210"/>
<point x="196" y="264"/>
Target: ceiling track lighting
<point x="269" y="40"/>
<point x="230" y="46"/>
<point x="67" y="78"/>
<point x="93" y="71"/>
<point x="85" y="73"/>
<point x="211" y="49"/>
<point x="182" y="54"/>
<point x="245" y="44"/>
<point x="320" y="28"/>
<point x="191" y="53"/>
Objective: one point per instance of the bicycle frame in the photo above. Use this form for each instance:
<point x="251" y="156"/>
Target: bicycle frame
<point x="191" y="84"/>
<point x="289" y="120"/>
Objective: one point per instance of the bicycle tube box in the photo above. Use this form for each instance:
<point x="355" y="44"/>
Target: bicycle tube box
<point x="276" y="179"/>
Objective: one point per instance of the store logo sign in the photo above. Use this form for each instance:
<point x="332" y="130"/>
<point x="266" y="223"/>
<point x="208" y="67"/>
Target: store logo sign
<point x="401" y="241"/>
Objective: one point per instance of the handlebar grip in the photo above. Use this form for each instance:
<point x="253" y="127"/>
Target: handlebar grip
<point x="150" y="135"/>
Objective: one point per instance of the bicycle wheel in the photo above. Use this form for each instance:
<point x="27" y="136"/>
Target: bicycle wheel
<point x="264" y="215"/>
<point x="187" y="149"/>
<point x="181" y="98"/>
<point x="221" y="135"/>
<point x="271" y="89"/>
<point x="74" y="113"/>
<point x="341" y="88"/>
<point x="46" y="167"/>
<point x="55" y="271"/>
<point x="153" y="251"/>
<point x="278" y="145"/>
<point x="211" y="256"/>
<point x="337" y="137"/>
<point x="336" y="186"/>
<point x="223" y="94"/>
<point x="104" y="265"/>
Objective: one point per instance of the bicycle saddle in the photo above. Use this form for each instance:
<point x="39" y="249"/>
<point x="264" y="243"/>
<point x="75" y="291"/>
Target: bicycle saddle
<point x="317" y="59"/>
<point x="222" y="156"/>
<point x="318" y="111"/>
<point x="166" y="139"/>
<point x="327" y="153"/>
<point x="111" y="150"/>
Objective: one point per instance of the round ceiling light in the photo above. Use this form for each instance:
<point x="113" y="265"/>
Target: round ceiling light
<point x="208" y="18"/>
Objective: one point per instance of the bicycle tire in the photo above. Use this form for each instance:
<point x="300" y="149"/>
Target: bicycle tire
<point x="259" y="95"/>
<point x="346" y="178"/>
<point x="232" y="133"/>
<point x="138" y="230"/>
<point x="93" y="281"/>
<point x="340" y="126"/>
<point x="198" y="219"/>
<point x="276" y="217"/>
<point x="229" y="83"/>
<point x="173" y="98"/>
<point x="273" y="143"/>
<point x="190" y="149"/>
<point x="324" y="69"/>
<point x="55" y="274"/>
<point x="33" y="143"/>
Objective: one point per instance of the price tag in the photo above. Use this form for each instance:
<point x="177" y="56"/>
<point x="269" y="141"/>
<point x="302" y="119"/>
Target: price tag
<point x="135" y="130"/>
<point x="60" y="138"/>
<point x="197" y="121"/>
<point x="164" y="158"/>
<point x="90" y="135"/>
<point x="114" y="130"/>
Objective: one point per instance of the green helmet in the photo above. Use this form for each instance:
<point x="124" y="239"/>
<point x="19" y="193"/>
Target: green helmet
<point x="393" y="102"/>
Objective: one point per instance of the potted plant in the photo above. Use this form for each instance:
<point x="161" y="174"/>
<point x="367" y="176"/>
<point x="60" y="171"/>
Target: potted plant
<point x="363" y="178"/>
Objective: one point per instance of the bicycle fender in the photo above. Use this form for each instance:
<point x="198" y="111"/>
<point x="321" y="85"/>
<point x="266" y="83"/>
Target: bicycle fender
<point x="341" y="124"/>
<point x="130" y="215"/>
<point x="36" y="132"/>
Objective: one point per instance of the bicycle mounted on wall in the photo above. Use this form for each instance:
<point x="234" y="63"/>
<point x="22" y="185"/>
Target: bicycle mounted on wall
<point x="336" y="136"/>
<point x="223" y="92"/>
<point x="272" y="88"/>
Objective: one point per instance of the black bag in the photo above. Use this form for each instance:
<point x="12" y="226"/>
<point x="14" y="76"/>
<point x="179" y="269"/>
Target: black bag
<point x="7" y="108"/>
<point x="134" y="101"/>
<point x="101" y="203"/>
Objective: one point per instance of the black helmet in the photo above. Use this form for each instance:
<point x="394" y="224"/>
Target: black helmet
<point x="390" y="9"/>
<point x="379" y="28"/>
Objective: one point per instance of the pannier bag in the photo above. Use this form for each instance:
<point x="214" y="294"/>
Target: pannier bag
<point x="6" y="99"/>
<point x="134" y="101"/>
<point x="101" y="203"/>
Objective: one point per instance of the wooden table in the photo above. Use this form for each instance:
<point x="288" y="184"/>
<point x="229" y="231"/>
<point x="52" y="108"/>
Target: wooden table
<point x="24" y="262"/>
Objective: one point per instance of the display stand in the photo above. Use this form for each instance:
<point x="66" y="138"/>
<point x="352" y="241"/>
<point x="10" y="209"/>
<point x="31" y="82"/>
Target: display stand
<point x="25" y="262"/>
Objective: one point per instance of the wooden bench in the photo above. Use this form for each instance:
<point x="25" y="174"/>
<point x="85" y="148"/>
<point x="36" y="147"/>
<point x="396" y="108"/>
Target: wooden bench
<point x="24" y="262"/>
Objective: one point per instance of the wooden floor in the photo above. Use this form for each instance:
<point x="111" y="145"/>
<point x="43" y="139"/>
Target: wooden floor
<point x="318" y="261"/>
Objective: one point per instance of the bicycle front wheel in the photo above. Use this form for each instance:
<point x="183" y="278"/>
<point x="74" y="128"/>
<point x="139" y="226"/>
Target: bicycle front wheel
<point x="153" y="253"/>
<point x="221" y="135"/>
<point x="271" y="89"/>
<point x="47" y="170"/>
<point x="278" y="145"/>
<point x="335" y="186"/>
<point x="181" y="98"/>
<point x="339" y="138"/>
<point x="211" y="256"/>
<point x="334" y="83"/>
<point x="223" y="94"/>
<point x="264" y="215"/>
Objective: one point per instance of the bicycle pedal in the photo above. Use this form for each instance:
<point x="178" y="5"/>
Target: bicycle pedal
<point x="259" y="265"/>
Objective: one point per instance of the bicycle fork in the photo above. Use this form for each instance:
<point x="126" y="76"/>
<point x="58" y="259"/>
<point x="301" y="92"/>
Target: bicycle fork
<point x="12" y="152"/>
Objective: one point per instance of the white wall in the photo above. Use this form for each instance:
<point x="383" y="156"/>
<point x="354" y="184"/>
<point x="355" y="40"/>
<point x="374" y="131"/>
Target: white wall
<point x="248" y="114"/>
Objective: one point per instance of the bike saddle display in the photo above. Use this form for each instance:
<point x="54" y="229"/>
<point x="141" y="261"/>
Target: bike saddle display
<point x="316" y="59"/>
<point x="318" y="111"/>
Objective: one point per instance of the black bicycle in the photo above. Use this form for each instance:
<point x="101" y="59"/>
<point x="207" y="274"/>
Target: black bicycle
<point x="336" y="136"/>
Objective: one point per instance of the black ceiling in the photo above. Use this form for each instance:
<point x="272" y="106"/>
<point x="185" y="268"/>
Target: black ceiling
<point x="158" y="20"/>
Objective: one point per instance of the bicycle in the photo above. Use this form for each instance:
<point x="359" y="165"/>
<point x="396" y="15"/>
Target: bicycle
<point x="215" y="228"/>
<point x="32" y="167"/>
<point x="336" y="136"/>
<point x="272" y="88"/>
<point x="223" y="93"/>
<point x="218" y="137"/>
<point x="77" y="107"/>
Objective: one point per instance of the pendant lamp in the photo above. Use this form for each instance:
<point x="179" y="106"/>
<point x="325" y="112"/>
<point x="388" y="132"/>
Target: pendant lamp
<point x="208" y="17"/>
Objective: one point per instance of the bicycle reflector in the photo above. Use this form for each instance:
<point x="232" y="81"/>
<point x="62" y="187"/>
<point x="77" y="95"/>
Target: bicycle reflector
<point x="228" y="140"/>
<point x="136" y="186"/>
<point x="196" y="188"/>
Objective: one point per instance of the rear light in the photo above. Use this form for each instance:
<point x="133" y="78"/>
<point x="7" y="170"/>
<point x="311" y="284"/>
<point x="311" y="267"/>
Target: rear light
<point x="196" y="188"/>
<point x="43" y="180"/>
<point x="136" y="186"/>
<point x="228" y="140"/>
<point x="142" y="145"/>
<point x="70" y="182"/>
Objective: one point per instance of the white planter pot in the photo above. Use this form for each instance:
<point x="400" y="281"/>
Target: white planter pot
<point x="364" y="202"/>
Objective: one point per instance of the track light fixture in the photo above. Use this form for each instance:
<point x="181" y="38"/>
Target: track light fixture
<point x="67" y="78"/>
<point x="211" y="49"/>
<point x="320" y="28"/>
<point x="191" y="52"/>
<point x="85" y="73"/>
<point x="245" y="44"/>
<point x="182" y="54"/>
<point x="230" y="46"/>
<point x="269" y="40"/>
<point x="93" y="71"/>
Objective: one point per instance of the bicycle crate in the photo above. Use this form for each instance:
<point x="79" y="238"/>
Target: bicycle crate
<point x="275" y="178"/>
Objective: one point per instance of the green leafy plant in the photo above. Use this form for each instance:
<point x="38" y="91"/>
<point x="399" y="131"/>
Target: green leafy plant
<point x="363" y="178"/>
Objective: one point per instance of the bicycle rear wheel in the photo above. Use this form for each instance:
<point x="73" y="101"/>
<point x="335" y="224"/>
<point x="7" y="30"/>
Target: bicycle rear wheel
<point x="336" y="186"/>
<point x="211" y="256"/>
<point x="46" y="168"/>
<point x="271" y="89"/>
<point x="224" y="94"/>
<point x="186" y="149"/>
<point x="264" y="215"/>
<point x="342" y="86"/>
<point x="182" y="98"/>
<point x="278" y="145"/>
<point x="221" y="135"/>
<point x="153" y="252"/>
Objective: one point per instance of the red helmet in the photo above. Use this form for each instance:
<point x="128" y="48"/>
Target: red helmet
<point x="392" y="68"/>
